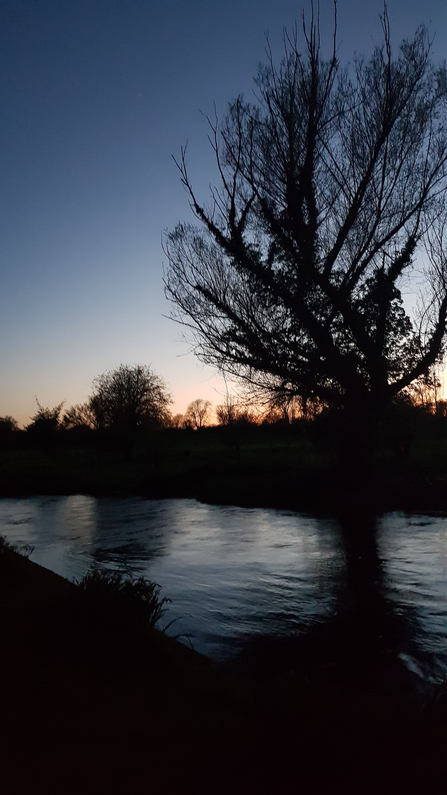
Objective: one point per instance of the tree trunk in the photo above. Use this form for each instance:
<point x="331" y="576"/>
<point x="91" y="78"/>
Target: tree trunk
<point x="358" y="445"/>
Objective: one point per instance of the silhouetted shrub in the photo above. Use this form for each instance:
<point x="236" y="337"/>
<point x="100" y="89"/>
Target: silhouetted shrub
<point x="138" y="596"/>
<point x="45" y="426"/>
<point x="9" y="428"/>
<point x="8" y="424"/>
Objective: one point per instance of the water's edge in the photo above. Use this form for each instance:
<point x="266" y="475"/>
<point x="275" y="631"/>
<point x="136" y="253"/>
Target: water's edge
<point x="237" y="576"/>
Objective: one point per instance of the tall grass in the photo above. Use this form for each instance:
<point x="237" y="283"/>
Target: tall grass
<point x="21" y="549"/>
<point x="139" y="597"/>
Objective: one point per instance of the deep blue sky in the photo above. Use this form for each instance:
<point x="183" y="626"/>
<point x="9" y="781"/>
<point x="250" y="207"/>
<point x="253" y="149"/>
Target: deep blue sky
<point x="96" y="96"/>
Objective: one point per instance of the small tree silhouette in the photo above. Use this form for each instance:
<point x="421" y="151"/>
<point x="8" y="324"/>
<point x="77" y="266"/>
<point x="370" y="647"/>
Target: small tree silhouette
<point x="197" y="413"/>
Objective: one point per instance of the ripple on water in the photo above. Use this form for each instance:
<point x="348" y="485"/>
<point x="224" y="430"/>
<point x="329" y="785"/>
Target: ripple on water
<point x="233" y="573"/>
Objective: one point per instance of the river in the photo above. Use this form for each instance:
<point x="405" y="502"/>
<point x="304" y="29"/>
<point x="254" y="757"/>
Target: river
<point x="236" y="574"/>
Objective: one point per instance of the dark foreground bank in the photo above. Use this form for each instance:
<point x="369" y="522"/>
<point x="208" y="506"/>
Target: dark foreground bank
<point x="92" y="703"/>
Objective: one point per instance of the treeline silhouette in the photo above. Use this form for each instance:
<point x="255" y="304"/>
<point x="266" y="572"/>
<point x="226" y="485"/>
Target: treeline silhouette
<point x="124" y="439"/>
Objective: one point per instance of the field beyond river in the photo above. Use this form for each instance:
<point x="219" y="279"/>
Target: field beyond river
<point x="282" y="466"/>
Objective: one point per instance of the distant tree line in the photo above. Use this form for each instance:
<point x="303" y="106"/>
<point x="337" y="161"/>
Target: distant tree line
<point x="130" y="401"/>
<point x="122" y="402"/>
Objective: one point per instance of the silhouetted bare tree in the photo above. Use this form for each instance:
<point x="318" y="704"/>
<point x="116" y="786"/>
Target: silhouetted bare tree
<point x="79" y="416"/>
<point x="234" y="412"/>
<point x="227" y="412"/>
<point x="197" y="413"/>
<point x="177" y="421"/>
<point x="128" y="397"/>
<point x="332" y="191"/>
<point x="289" y="407"/>
<point x="426" y="390"/>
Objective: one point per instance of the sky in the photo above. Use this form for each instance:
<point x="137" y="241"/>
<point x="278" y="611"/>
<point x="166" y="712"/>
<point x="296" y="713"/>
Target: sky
<point x="96" y="98"/>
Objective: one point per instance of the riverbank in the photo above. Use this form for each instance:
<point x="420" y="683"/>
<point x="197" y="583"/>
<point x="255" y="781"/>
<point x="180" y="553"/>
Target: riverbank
<point x="267" y="471"/>
<point x="93" y="702"/>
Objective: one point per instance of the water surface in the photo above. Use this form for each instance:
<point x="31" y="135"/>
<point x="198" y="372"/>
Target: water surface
<point x="235" y="573"/>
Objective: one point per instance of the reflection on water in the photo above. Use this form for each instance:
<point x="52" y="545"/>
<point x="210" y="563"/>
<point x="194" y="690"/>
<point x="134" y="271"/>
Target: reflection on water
<point x="415" y="548"/>
<point x="234" y="573"/>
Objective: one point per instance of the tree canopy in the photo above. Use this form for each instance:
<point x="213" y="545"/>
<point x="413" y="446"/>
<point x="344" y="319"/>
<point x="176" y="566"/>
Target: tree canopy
<point x="332" y="194"/>
<point x="197" y="413"/>
<point x="79" y="416"/>
<point x="129" y="397"/>
<point x="46" y="420"/>
<point x="8" y="424"/>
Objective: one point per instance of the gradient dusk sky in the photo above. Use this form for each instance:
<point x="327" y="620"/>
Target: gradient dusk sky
<point x="96" y="97"/>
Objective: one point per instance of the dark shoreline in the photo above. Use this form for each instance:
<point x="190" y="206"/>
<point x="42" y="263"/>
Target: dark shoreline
<point x="320" y="496"/>
<point x="114" y="707"/>
<point x="93" y="703"/>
